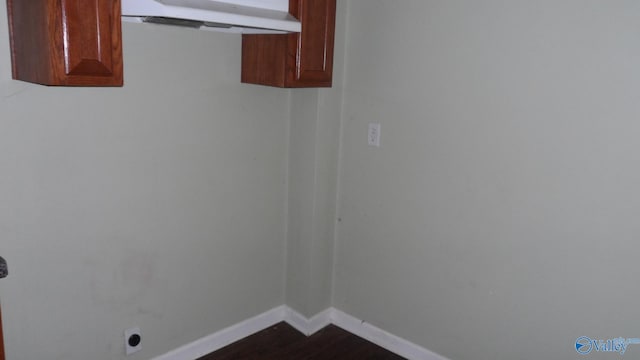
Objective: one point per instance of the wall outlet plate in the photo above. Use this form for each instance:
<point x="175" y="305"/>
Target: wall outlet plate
<point x="132" y="340"/>
<point x="374" y="134"/>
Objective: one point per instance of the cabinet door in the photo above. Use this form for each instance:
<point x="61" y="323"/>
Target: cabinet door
<point x="91" y="41"/>
<point x="66" y="42"/>
<point x="313" y="47"/>
<point x="294" y="60"/>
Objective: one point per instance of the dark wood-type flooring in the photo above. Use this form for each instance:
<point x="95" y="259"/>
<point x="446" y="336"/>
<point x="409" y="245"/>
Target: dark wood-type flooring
<point x="283" y="342"/>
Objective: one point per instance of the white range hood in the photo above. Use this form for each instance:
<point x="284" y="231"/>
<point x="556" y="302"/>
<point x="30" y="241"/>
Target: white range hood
<point x="240" y="16"/>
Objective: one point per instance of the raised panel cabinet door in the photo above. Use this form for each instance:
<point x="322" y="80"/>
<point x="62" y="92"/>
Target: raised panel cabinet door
<point x="66" y="42"/>
<point x="313" y="47"/>
<point x="294" y="60"/>
<point x="88" y="43"/>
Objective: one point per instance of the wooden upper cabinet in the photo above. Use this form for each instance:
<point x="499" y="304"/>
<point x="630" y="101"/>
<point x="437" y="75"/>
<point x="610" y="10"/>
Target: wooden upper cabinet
<point x="294" y="60"/>
<point x="66" y="42"/>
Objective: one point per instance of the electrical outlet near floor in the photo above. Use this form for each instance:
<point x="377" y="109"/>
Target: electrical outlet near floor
<point x="132" y="340"/>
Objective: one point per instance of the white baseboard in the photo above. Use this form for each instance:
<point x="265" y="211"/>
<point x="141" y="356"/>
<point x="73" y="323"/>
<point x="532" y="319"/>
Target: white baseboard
<point x="382" y="338"/>
<point x="224" y="337"/>
<point x="306" y="326"/>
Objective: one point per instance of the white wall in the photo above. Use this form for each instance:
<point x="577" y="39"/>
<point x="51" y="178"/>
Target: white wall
<point x="498" y="220"/>
<point x="313" y="164"/>
<point x="160" y="204"/>
<point x="314" y="142"/>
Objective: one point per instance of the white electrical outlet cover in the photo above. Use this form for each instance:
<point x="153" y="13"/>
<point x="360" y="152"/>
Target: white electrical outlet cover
<point x="374" y="134"/>
<point x="129" y="340"/>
